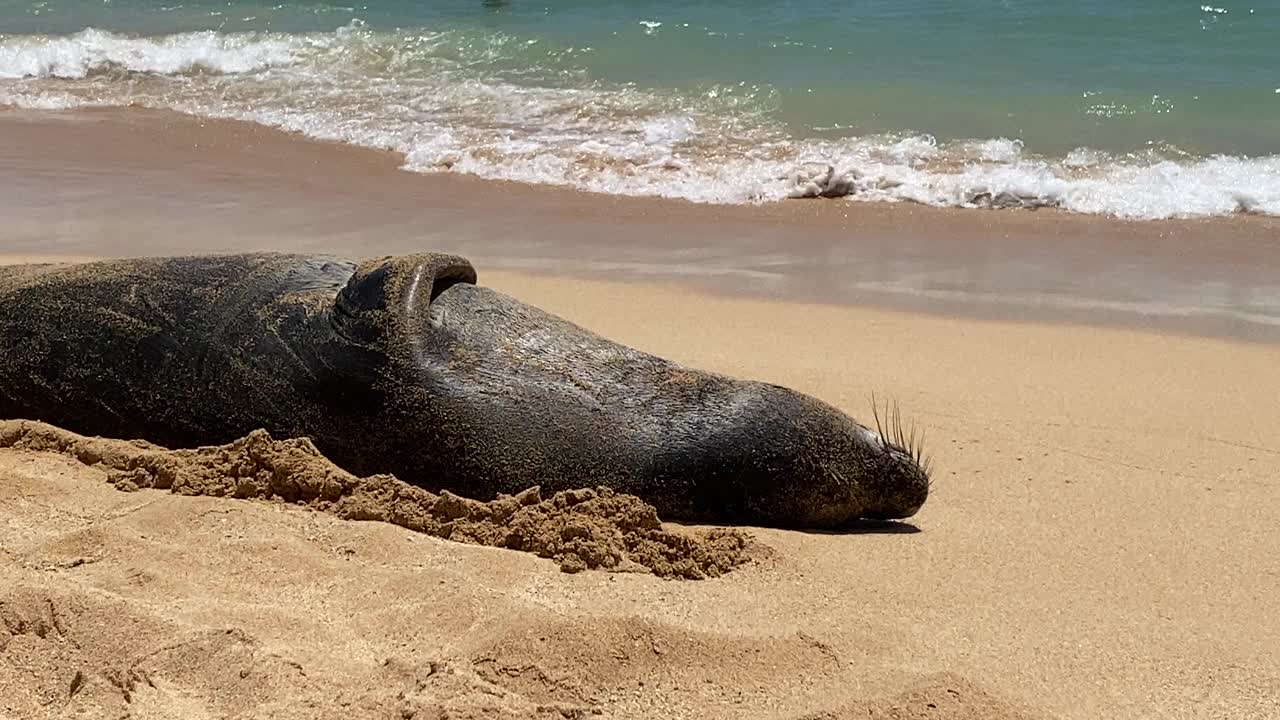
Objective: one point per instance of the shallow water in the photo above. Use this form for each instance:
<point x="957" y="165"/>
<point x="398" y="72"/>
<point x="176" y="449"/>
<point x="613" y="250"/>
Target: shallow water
<point x="1140" y="109"/>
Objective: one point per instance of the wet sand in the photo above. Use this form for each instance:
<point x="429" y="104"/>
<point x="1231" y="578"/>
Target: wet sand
<point x="1099" y="543"/>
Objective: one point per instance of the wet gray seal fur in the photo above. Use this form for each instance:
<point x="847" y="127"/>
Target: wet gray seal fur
<point x="405" y="365"/>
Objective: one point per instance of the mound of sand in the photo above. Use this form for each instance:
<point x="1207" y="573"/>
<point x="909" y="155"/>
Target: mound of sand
<point x="579" y="529"/>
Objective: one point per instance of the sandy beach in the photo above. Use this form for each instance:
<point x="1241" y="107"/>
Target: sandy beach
<point x="1099" y="399"/>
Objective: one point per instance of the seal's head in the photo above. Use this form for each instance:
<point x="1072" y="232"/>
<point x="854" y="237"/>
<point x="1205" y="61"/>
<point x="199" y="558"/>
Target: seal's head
<point x="898" y="487"/>
<point x="806" y="464"/>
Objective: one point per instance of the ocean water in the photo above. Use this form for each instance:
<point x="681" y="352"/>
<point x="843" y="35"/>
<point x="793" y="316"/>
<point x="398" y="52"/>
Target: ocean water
<point x="1132" y="108"/>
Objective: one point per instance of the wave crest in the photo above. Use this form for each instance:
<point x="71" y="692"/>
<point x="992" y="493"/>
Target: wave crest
<point x="92" y="50"/>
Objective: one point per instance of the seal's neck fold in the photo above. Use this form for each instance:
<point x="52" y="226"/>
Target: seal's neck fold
<point x="387" y="299"/>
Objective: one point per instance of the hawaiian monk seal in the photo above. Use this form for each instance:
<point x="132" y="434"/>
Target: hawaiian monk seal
<point x="404" y="365"/>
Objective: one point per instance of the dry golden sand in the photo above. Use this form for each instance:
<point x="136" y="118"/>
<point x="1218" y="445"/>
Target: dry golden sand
<point x="1101" y="543"/>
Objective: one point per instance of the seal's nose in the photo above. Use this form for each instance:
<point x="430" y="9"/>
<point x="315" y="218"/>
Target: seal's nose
<point x="899" y="488"/>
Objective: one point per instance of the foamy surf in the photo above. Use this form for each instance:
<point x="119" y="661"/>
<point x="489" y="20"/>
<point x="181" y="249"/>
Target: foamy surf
<point x="503" y="107"/>
<point x="92" y="50"/>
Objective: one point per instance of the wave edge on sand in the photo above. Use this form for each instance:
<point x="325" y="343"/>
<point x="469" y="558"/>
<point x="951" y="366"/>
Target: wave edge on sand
<point x="491" y="105"/>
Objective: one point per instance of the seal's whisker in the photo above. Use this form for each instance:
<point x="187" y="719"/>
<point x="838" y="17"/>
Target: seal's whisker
<point x="893" y="433"/>
<point x="902" y="434"/>
<point x="875" y="411"/>
<point x="898" y="438"/>
<point x="892" y="420"/>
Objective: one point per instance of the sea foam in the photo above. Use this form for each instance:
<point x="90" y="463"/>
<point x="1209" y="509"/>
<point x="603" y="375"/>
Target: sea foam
<point x="91" y="50"/>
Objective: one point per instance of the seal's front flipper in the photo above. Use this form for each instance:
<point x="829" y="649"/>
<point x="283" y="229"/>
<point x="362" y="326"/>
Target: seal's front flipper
<point x="386" y="301"/>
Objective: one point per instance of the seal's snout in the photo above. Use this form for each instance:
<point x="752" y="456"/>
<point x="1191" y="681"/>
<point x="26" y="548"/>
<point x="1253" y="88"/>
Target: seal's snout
<point x="817" y="467"/>
<point x="898" y="488"/>
<point x="896" y="482"/>
<point x="866" y="475"/>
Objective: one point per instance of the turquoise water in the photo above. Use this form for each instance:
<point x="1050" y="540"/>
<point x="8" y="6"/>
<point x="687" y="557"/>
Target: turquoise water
<point x="1136" y="108"/>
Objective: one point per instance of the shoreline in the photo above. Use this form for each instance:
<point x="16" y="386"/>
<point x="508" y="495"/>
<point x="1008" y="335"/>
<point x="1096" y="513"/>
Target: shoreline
<point x="127" y="182"/>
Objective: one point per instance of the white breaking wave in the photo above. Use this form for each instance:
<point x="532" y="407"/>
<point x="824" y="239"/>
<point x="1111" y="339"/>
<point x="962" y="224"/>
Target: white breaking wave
<point x="91" y="50"/>
<point x="500" y="107"/>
